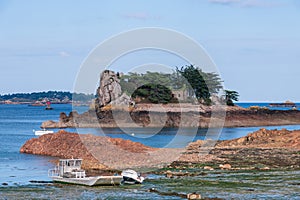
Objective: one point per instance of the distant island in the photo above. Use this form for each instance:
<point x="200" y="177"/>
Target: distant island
<point x="40" y="98"/>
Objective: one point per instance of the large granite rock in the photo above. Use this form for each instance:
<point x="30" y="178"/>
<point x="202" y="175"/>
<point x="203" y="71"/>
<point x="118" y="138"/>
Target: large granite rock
<point x="110" y="91"/>
<point x="86" y="146"/>
<point x="99" y="152"/>
<point x="109" y="88"/>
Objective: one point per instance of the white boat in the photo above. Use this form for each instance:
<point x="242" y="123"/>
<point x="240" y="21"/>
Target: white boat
<point x="69" y="171"/>
<point x="42" y="132"/>
<point x="131" y="177"/>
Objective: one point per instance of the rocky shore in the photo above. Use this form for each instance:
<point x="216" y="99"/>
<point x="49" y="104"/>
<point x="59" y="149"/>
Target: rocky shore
<point x="186" y="115"/>
<point x="98" y="152"/>
<point x="263" y="149"/>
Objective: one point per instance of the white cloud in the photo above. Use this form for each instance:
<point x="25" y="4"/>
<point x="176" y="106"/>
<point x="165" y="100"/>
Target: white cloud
<point x="64" y="54"/>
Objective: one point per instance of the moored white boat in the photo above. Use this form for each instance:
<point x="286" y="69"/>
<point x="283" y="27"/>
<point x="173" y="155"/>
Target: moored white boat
<point x="42" y="132"/>
<point x="131" y="177"/>
<point x="69" y="171"/>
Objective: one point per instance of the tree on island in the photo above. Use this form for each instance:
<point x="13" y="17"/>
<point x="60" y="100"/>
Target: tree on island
<point x="157" y="87"/>
<point x="129" y="83"/>
<point x="153" y="93"/>
<point x="231" y="96"/>
<point x="201" y="84"/>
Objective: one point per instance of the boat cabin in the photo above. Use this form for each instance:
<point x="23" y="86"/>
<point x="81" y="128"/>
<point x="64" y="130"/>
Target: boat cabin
<point x="68" y="165"/>
<point x="70" y="168"/>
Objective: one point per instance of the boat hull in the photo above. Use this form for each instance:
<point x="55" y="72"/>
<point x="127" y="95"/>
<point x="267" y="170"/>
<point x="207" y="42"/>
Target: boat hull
<point x="90" y="181"/>
<point x="131" y="177"/>
<point x="39" y="133"/>
<point x="131" y="181"/>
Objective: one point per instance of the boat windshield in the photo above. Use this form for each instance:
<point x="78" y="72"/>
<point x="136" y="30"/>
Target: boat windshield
<point x="71" y="162"/>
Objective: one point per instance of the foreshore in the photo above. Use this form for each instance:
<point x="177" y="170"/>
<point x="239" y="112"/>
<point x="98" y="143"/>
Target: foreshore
<point x="265" y="162"/>
<point x="267" y="148"/>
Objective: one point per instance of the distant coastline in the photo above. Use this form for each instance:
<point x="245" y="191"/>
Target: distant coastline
<point x="40" y="98"/>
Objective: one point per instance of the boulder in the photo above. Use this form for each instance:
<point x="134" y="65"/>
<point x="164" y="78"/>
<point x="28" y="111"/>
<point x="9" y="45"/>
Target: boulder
<point x="50" y="124"/>
<point x="63" y="117"/>
<point x="193" y="196"/>
<point x="208" y="168"/>
<point x="225" y="166"/>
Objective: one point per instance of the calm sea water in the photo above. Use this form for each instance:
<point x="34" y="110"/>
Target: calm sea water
<point x="17" y="123"/>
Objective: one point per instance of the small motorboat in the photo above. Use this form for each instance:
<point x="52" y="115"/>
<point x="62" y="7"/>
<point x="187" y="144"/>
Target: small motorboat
<point x="131" y="177"/>
<point x="69" y="171"/>
<point x="42" y="132"/>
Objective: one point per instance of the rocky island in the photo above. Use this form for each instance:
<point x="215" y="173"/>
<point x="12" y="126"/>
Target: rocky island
<point x="114" y="108"/>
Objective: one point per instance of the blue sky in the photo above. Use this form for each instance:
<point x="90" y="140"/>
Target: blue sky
<point x="254" y="43"/>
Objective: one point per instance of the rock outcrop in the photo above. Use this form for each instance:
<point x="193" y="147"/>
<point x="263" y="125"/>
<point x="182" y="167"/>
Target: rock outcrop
<point x="263" y="148"/>
<point x="99" y="152"/>
<point x="110" y="91"/>
<point x="62" y="145"/>
<point x="109" y="88"/>
<point x="67" y="145"/>
<point x="264" y="138"/>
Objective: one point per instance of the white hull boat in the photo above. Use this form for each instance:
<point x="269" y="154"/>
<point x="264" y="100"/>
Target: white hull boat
<point x="90" y="181"/>
<point x="42" y="132"/>
<point x="131" y="177"/>
<point x="69" y="171"/>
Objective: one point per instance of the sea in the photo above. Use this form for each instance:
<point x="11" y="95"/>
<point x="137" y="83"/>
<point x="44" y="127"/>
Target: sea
<point x="18" y="123"/>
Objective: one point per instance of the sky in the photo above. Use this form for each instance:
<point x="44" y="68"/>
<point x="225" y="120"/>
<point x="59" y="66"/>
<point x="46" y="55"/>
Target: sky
<point x="255" y="44"/>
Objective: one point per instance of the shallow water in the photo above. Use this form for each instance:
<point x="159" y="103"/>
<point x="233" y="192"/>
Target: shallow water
<point x="217" y="184"/>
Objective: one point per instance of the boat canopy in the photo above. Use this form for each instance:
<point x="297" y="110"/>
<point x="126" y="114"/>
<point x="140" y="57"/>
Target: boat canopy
<point x="69" y="165"/>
